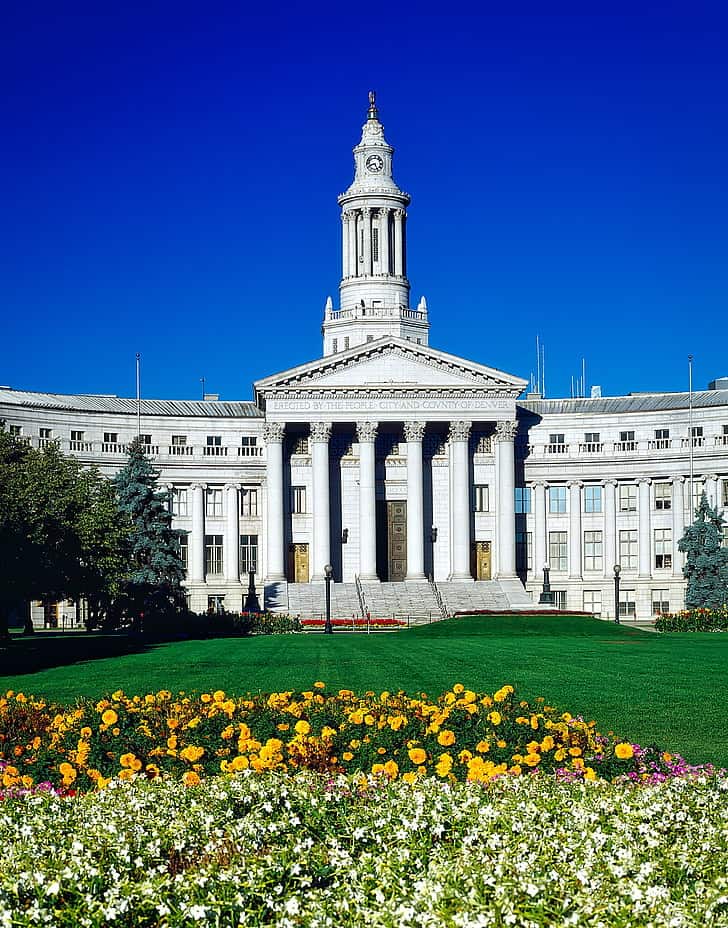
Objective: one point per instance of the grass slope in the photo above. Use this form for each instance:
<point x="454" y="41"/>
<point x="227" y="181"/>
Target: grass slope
<point x="670" y="689"/>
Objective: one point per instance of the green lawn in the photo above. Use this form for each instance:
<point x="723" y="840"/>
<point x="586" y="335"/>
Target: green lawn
<point x="671" y="689"/>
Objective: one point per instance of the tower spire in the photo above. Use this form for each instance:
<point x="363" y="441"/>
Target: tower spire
<point x="372" y="113"/>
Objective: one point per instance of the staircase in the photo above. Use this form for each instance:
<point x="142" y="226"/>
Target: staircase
<point x="471" y="596"/>
<point x="309" y="600"/>
<point x="414" y="603"/>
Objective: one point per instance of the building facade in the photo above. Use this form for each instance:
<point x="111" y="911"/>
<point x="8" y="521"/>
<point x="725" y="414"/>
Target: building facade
<point x="406" y="468"/>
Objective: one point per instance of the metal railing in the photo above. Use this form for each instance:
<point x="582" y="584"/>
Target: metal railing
<point x="438" y="598"/>
<point x="360" y="596"/>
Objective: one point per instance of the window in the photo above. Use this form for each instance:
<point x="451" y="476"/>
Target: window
<point x="346" y="342"/>
<point x="593" y="602"/>
<point x="213" y="502"/>
<point x="697" y="431"/>
<point x="663" y="496"/>
<point x="591" y="438"/>
<point x="482" y="444"/>
<point x="559" y="598"/>
<point x="179" y="501"/>
<point x="46" y="433"/>
<point x="626" y="436"/>
<point x="111" y="438"/>
<point x="213" y="442"/>
<point x="248" y="446"/>
<point x="298" y="499"/>
<point x="76" y="435"/>
<point x="334" y="345"/>
<point x="524" y="547"/>
<point x="557" y="499"/>
<point x="216" y="604"/>
<point x="592" y="499"/>
<point x="213" y="554"/>
<point x="249" y="502"/>
<point x="592" y="550"/>
<point x="522" y="499"/>
<point x="627" y="497"/>
<point x="698" y="487"/>
<point x="179" y="441"/>
<point x="300" y="445"/>
<point x="663" y="548"/>
<point x="558" y="551"/>
<point x="248" y="554"/>
<point x="18" y="430"/>
<point x="375" y="244"/>
<point x="556" y="438"/>
<point x="480" y="498"/>
<point x="725" y="491"/>
<point x="628" y="553"/>
<point x="627" y="608"/>
<point x="145" y="439"/>
<point x="370" y="338"/>
<point x="662" y="438"/>
<point x="184" y="549"/>
<point x="660" y="602"/>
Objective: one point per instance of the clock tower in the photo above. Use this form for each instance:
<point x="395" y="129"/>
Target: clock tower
<point x="374" y="290"/>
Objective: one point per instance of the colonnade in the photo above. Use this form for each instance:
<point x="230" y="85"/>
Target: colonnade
<point x="358" y="250"/>
<point x="610" y="537"/>
<point x="459" y="487"/>
<point x="231" y="534"/>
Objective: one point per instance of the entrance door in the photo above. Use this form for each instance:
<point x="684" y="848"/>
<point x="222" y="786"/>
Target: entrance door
<point x="481" y="553"/>
<point x="396" y="540"/>
<point x="298" y="563"/>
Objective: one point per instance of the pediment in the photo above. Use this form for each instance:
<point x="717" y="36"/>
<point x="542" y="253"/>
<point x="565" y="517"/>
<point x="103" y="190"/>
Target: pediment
<point x="393" y="364"/>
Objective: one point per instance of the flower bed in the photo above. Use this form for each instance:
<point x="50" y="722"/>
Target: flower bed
<point x="694" y="620"/>
<point x="327" y="851"/>
<point x="356" y="622"/>
<point x="461" y="735"/>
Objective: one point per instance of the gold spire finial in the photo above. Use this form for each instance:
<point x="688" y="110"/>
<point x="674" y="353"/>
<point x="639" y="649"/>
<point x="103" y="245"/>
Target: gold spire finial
<point x="372" y="114"/>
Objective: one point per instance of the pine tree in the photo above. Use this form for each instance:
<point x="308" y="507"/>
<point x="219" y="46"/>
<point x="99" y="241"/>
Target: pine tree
<point x="706" y="561"/>
<point x="155" y="570"/>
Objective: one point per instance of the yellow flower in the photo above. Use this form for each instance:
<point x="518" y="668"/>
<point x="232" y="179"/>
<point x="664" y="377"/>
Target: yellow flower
<point x="218" y="695"/>
<point x="381" y="750"/>
<point x="495" y="717"/>
<point x="532" y="759"/>
<point x="319" y="685"/>
<point x="109" y="717"/>
<point x="85" y="732"/>
<point x="191" y="778"/>
<point x="483" y="747"/>
<point x="391" y="768"/>
<point x="576" y="752"/>
<point x="444" y="765"/>
<point x="410" y="777"/>
<point x="417" y="755"/>
<point x="624" y="751"/>
<point x="302" y="727"/>
<point x="446" y="738"/>
<point x="590" y="774"/>
<point x="458" y="688"/>
<point x="192" y="753"/>
<point x="347" y="756"/>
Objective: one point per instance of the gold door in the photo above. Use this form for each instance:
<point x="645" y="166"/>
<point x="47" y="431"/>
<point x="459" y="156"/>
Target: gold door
<point x="482" y="560"/>
<point x="397" y="540"/>
<point x="299" y="563"/>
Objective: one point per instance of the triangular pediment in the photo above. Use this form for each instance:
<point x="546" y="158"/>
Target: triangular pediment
<point x="395" y="364"/>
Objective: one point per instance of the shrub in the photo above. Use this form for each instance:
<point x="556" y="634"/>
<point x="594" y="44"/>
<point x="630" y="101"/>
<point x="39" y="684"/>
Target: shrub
<point x="694" y="620"/>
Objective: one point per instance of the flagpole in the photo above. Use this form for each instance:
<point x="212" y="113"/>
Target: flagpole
<point x="690" y="434"/>
<point x="139" y="394"/>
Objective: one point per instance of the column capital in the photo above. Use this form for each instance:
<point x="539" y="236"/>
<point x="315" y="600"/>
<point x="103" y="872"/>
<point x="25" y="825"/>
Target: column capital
<point x="506" y="430"/>
<point x="571" y="484"/>
<point x="678" y="479"/>
<point x="273" y="432"/>
<point x="414" y="431"/>
<point x="711" y="477"/>
<point x="399" y="214"/>
<point x="643" y="480"/>
<point x="366" y="211"/>
<point x="366" y="431"/>
<point x="320" y="431"/>
<point x="460" y="431"/>
<point x="232" y="486"/>
<point x="538" y="484"/>
<point x="610" y="482"/>
<point x="198" y="486"/>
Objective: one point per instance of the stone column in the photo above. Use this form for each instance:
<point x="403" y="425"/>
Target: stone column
<point x="353" y="257"/>
<point x="711" y="490"/>
<point x="505" y="433"/>
<point x="413" y="432"/>
<point x="196" y="551"/>
<point x="678" y="525"/>
<point x="575" y="529"/>
<point x="540" y="553"/>
<point x="366" y="433"/>
<point x="460" y="500"/>
<point x="231" y="555"/>
<point x="611" y="551"/>
<point x="384" y="240"/>
<point x="273" y="435"/>
<point x="398" y="243"/>
<point x="367" y="215"/>
<point x="320" y="434"/>
<point x="344" y="244"/>
<point x="645" y="542"/>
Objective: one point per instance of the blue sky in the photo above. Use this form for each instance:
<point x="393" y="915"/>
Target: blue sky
<point x="169" y="179"/>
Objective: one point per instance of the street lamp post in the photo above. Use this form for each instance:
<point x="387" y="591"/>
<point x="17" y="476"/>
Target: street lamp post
<point x="547" y="597"/>
<point x="328" y="576"/>
<point x="617" y="569"/>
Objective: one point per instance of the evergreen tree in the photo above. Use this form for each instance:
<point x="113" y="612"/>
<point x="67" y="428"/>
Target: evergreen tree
<point x="155" y="572"/>
<point x="706" y="561"/>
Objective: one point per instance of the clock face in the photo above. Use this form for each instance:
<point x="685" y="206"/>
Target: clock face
<point x="374" y="163"/>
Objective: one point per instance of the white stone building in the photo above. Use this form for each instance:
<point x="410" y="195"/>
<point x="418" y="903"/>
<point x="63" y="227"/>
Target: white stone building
<point x="400" y="464"/>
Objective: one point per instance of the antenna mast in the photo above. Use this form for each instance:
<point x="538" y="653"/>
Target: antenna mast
<point x="139" y="394"/>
